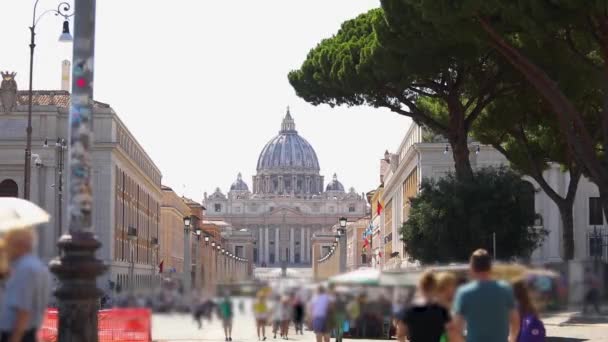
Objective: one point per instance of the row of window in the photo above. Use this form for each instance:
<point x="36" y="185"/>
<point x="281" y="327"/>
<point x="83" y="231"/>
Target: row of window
<point x="217" y="207"/>
<point x="137" y="155"/>
<point x="134" y="208"/>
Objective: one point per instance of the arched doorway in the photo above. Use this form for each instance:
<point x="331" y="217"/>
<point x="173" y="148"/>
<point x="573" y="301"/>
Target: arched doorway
<point x="9" y="188"/>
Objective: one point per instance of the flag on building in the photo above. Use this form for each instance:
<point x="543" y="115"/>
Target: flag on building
<point x="160" y="266"/>
<point x="379" y="208"/>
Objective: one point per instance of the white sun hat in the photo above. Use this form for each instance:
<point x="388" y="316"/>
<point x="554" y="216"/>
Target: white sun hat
<point x="17" y="213"/>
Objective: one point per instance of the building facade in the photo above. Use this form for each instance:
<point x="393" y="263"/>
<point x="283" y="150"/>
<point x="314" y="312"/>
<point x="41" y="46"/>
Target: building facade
<point x="288" y="202"/>
<point x="357" y="250"/>
<point x="423" y="155"/>
<point x="126" y="183"/>
<point x="173" y="210"/>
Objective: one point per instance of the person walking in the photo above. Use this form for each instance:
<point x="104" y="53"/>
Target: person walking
<point x="226" y="314"/>
<point x="298" y="315"/>
<point x="532" y="328"/>
<point x="592" y="295"/>
<point x="425" y="320"/>
<point x="353" y="310"/>
<point x="285" y="313"/>
<point x="27" y="290"/>
<point x="276" y="315"/>
<point x="446" y="289"/>
<point x="485" y="306"/>
<point x="319" y="313"/>
<point x="260" y="312"/>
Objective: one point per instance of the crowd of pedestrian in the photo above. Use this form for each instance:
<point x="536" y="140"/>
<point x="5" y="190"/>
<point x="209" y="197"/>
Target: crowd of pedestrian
<point x="279" y="311"/>
<point x="483" y="309"/>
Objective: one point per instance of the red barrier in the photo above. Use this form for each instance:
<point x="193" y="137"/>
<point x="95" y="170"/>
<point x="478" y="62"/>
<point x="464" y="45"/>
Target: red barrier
<point x="119" y="325"/>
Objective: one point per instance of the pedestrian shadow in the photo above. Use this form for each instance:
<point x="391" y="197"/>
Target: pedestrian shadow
<point x="564" y="339"/>
<point x="580" y="319"/>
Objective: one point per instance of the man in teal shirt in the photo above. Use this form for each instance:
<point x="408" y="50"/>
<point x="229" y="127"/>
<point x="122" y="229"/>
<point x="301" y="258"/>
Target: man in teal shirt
<point x="485" y="306"/>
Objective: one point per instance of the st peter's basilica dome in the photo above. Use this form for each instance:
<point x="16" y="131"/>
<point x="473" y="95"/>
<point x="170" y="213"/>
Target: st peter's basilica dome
<point x="288" y="151"/>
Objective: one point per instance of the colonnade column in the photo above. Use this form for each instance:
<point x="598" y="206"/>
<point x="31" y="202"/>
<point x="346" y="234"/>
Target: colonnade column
<point x="266" y="246"/>
<point x="302" y="242"/>
<point x="277" y="253"/>
<point x="292" y="245"/>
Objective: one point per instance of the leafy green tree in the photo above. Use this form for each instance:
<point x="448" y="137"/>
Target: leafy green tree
<point x="560" y="47"/>
<point x="520" y="127"/>
<point x="395" y="59"/>
<point x="450" y="217"/>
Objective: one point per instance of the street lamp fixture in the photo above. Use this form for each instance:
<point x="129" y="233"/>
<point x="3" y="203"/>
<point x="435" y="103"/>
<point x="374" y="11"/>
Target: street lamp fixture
<point x="213" y="244"/>
<point x="186" y="224"/>
<point x="198" y="235"/>
<point x="66" y="36"/>
<point x="342" y="229"/>
<point x="219" y="247"/>
<point x="206" y="240"/>
<point x="64" y="9"/>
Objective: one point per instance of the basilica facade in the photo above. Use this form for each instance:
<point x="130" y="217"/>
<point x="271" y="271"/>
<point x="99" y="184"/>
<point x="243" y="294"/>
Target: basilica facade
<point x="288" y="202"/>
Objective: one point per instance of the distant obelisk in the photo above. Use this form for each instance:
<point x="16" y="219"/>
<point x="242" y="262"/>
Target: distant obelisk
<point x="66" y="67"/>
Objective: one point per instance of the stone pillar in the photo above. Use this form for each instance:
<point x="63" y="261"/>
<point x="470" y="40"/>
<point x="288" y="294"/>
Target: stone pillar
<point x="294" y="182"/>
<point x="307" y="244"/>
<point x="292" y="245"/>
<point x="277" y="252"/>
<point x="302" y="242"/>
<point x="281" y="185"/>
<point x="267" y="184"/>
<point x="307" y="185"/>
<point x="266" y="246"/>
<point x="259" y="246"/>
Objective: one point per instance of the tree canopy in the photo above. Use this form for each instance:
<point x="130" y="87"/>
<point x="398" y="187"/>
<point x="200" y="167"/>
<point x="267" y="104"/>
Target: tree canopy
<point x="560" y="47"/>
<point x="521" y="128"/>
<point x="393" y="58"/>
<point x="450" y="218"/>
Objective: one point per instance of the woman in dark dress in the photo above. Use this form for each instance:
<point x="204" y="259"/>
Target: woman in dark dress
<point x="425" y="320"/>
<point x="298" y="315"/>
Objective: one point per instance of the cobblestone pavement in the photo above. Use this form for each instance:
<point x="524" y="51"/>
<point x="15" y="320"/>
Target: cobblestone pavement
<point x="562" y="327"/>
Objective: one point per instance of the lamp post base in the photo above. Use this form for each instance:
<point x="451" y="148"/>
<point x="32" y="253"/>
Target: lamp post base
<point x="77" y="269"/>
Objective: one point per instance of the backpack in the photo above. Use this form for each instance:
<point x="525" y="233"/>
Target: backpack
<point x="532" y="329"/>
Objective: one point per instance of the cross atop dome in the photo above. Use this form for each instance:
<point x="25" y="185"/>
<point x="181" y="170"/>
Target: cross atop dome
<point x="288" y="125"/>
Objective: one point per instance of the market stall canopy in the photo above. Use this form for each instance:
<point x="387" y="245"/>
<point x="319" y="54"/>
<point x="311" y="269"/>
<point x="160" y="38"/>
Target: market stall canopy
<point x="362" y="276"/>
<point x="400" y="279"/>
<point x="374" y="277"/>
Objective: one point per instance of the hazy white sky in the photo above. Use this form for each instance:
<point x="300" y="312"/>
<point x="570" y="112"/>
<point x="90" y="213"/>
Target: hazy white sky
<point x="203" y="84"/>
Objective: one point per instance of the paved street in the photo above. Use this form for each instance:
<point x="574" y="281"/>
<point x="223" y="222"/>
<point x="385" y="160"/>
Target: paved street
<point x="563" y="327"/>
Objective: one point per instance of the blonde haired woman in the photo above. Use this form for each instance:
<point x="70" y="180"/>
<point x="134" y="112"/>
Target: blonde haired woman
<point x="446" y="283"/>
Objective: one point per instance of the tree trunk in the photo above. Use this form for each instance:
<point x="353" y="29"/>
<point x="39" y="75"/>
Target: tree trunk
<point x="565" y="211"/>
<point x="569" y="118"/>
<point x="457" y="135"/>
<point x="460" y="152"/>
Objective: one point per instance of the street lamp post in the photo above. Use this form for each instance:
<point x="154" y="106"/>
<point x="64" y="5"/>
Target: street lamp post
<point x="206" y="265"/>
<point x="187" y="258"/>
<point x="154" y="245"/>
<point x="132" y="236"/>
<point x="197" y="257"/>
<point x="61" y="146"/>
<point x="342" y="243"/>
<point x="217" y="262"/>
<point x="64" y="10"/>
<point x="77" y="266"/>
